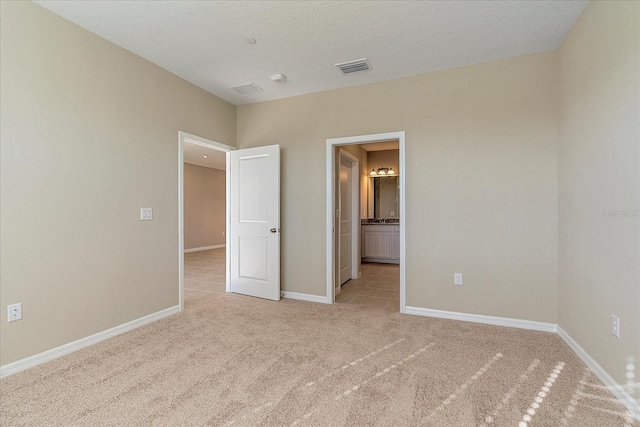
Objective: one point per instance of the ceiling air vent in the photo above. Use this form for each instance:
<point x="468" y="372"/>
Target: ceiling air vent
<point x="354" y="66"/>
<point x="247" y="88"/>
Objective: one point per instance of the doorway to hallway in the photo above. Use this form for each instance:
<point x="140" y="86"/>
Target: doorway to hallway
<point x="203" y="199"/>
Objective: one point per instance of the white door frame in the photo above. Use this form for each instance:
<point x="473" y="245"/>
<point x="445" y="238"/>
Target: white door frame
<point x="194" y="139"/>
<point x="331" y="209"/>
<point x="355" y="214"/>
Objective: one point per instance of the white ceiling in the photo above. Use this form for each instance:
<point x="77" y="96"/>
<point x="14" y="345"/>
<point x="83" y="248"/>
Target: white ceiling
<point x="204" y="41"/>
<point x="194" y="154"/>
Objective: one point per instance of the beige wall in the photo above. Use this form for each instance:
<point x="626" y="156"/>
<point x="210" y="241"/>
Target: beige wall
<point x="89" y="136"/>
<point x="481" y="181"/>
<point x="384" y="158"/>
<point x="204" y="206"/>
<point x="599" y="184"/>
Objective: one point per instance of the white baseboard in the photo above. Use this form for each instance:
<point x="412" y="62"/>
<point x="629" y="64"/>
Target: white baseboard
<point x="54" y="353"/>
<point x="479" y="318"/>
<point x="304" y="297"/>
<point x="204" y="248"/>
<point x="618" y="391"/>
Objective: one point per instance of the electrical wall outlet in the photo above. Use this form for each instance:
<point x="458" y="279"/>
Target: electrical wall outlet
<point x="615" y="326"/>
<point x="14" y="312"/>
<point x="457" y="278"/>
<point x="146" y="214"/>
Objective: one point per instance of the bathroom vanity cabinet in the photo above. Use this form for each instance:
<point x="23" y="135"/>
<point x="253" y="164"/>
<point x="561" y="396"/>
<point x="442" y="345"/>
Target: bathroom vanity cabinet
<point x="381" y="243"/>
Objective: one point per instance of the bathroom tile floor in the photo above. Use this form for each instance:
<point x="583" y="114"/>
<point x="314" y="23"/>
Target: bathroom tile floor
<point x="378" y="286"/>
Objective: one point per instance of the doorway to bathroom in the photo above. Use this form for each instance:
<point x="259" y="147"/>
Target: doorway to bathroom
<point x="365" y="220"/>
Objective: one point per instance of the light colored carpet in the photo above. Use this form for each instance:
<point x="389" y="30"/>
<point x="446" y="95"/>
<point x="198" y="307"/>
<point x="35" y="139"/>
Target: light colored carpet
<point x="204" y="275"/>
<point x="236" y="360"/>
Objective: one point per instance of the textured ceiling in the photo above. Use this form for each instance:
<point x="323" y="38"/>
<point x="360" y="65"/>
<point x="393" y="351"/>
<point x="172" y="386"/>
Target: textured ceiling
<point x="204" y="41"/>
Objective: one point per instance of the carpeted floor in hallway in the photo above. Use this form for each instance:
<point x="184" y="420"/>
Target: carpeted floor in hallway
<point x="204" y="275"/>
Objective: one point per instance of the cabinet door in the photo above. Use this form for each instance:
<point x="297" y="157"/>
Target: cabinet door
<point x="384" y="244"/>
<point x="369" y="244"/>
<point x="396" y="243"/>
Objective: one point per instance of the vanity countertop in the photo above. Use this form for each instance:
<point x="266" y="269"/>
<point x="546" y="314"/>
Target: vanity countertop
<point x="380" y="222"/>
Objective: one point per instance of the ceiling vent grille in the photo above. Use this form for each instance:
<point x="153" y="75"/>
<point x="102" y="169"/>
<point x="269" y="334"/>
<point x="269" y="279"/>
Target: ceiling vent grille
<point x="354" y="66"/>
<point x="247" y="88"/>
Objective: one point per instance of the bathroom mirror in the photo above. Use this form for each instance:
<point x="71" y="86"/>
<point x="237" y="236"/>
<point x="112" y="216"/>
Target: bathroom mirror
<point x="385" y="197"/>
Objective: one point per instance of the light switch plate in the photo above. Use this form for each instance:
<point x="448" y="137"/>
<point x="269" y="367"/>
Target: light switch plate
<point x="457" y="278"/>
<point x="615" y="326"/>
<point x="146" y="214"/>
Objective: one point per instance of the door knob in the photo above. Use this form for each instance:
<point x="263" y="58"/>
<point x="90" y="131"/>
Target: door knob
<point x="274" y="230"/>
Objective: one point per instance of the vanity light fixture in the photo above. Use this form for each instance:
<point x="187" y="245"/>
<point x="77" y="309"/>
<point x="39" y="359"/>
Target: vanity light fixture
<point x="382" y="172"/>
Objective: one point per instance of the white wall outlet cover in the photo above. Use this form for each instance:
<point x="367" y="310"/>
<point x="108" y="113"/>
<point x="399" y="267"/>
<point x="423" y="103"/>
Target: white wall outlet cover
<point x="457" y="278"/>
<point x="146" y="214"/>
<point x="14" y="312"/>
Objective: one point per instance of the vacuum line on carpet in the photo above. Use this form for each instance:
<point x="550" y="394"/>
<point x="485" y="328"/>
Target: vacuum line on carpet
<point x="569" y="410"/>
<point x="322" y="378"/>
<point x="512" y="391"/>
<point x="600" y="386"/>
<point x="609" y="411"/>
<point x="544" y="390"/>
<point x="606" y="399"/>
<point x="453" y="396"/>
<point x="384" y="371"/>
<point x="353" y="363"/>
<point x="253" y="411"/>
<point x="371" y="378"/>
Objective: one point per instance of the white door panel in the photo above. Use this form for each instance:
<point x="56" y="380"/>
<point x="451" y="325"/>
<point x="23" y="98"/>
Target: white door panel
<point x="255" y="221"/>
<point x="345" y="220"/>
<point x="251" y="262"/>
<point x="252" y="189"/>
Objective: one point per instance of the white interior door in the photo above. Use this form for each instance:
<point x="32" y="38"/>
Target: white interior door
<point x="255" y="221"/>
<point x="345" y="220"/>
